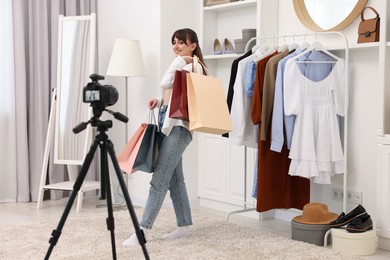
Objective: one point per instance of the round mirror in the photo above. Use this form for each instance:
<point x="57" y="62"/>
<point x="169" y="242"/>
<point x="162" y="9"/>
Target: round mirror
<point x="328" y="15"/>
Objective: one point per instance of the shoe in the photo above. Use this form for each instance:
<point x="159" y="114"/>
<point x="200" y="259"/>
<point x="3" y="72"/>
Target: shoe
<point x="180" y="232"/>
<point x="360" y="224"/>
<point x="345" y="219"/>
<point x="228" y="46"/>
<point x="217" y="47"/>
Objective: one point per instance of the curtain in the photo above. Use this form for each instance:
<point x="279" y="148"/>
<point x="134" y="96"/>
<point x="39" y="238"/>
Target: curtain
<point x="28" y="74"/>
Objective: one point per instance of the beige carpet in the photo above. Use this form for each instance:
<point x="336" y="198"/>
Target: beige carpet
<point x="85" y="236"/>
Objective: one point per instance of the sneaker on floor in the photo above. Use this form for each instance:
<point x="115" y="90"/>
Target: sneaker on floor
<point x="133" y="239"/>
<point x="180" y="232"/>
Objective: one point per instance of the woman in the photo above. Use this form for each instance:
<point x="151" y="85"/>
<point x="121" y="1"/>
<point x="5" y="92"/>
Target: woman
<point x="173" y="140"/>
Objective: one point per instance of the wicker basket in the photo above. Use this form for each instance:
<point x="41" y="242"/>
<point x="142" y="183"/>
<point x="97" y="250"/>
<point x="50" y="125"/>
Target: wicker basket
<point x="217" y="2"/>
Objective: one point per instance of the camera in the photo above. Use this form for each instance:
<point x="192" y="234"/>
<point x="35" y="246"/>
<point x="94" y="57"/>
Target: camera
<point x="99" y="95"/>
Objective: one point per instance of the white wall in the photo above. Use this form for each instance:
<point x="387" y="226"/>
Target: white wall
<point x="153" y="25"/>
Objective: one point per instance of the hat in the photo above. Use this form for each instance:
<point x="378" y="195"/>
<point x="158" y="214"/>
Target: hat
<point x="315" y="213"/>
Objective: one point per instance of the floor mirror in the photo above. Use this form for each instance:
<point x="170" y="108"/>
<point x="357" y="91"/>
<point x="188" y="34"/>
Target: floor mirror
<point x="76" y="61"/>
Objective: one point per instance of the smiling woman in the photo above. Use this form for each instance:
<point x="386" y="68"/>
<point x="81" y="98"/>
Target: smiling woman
<point x="328" y="15"/>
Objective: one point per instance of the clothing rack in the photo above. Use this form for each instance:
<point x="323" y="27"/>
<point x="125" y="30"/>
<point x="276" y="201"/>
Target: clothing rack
<point x="345" y="137"/>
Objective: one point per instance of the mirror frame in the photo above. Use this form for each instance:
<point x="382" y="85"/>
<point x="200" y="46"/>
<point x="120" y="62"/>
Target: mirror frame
<point x="87" y="133"/>
<point x="306" y="20"/>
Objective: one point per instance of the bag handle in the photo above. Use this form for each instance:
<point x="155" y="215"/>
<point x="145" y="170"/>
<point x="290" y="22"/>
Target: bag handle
<point x="372" y="9"/>
<point x="195" y="61"/>
<point x="150" y="118"/>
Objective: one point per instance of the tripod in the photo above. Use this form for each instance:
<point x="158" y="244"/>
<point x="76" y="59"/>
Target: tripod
<point x="106" y="146"/>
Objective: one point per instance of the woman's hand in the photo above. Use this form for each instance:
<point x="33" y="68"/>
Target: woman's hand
<point x="152" y="103"/>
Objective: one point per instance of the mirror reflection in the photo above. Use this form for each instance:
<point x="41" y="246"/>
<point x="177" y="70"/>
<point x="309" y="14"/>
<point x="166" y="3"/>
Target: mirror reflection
<point x="329" y="13"/>
<point x="75" y="64"/>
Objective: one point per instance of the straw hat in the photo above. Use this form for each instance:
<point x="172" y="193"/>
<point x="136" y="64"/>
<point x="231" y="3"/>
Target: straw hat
<point x="315" y="213"/>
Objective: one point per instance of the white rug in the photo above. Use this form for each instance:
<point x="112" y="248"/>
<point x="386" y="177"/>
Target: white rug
<point x="85" y="236"/>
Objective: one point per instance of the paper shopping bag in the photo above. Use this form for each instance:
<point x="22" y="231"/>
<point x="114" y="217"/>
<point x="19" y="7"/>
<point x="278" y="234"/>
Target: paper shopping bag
<point x="207" y="107"/>
<point x="147" y="153"/>
<point x="179" y="103"/>
<point x="127" y="156"/>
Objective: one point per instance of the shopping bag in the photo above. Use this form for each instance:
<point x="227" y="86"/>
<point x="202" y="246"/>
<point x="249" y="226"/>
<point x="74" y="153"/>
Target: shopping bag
<point x="179" y="103"/>
<point x="128" y="155"/>
<point x="207" y="107"/>
<point x="147" y="153"/>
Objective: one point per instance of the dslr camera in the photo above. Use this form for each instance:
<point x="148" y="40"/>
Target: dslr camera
<point x="99" y="95"/>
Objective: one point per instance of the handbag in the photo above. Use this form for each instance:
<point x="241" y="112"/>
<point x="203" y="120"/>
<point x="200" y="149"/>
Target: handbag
<point x="207" y="107"/>
<point x="148" y="150"/>
<point x="179" y="102"/>
<point x="369" y="28"/>
<point x="127" y="156"/>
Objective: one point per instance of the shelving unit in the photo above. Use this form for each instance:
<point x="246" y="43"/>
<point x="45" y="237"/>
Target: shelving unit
<point x="221" y="164"/>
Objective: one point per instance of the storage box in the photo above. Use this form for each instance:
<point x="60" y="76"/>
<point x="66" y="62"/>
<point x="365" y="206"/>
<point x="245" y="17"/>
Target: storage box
<point x="354" y="243"/>
<point x="313" y="234"/>
<point x="240" y="44"/>
<point x="247" y="34"/>
<point x="217" y="2"/>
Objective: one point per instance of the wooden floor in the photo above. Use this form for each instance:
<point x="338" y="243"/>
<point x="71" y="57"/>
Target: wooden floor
<point x="27" y="212"/>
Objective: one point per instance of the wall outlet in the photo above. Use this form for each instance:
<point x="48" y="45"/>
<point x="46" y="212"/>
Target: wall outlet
<point x="352" y="196"/>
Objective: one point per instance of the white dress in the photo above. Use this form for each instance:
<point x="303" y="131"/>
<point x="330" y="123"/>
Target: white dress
<point x="316" y="150"/>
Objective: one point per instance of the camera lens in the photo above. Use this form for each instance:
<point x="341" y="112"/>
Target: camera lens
<point x="111" y="95"/>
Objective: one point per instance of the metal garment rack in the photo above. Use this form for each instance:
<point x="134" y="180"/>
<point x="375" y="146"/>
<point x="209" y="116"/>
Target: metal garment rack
<point x="346" y="80"/>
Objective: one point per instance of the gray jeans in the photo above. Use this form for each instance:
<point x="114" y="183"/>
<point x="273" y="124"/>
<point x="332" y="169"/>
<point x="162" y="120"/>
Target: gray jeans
<point x="168" y="175"/>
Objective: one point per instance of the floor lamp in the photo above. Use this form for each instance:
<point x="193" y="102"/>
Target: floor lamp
<point x="126" y="61"/>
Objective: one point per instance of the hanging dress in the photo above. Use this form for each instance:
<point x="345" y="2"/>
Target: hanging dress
<point x="316" y="150"/>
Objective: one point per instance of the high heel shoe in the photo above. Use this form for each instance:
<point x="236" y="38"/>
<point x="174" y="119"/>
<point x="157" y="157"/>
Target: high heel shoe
<point x="217" y="47"/>
<point x="228" y="46"/>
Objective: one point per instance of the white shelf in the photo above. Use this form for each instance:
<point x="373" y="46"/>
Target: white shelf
<point x="222" y="56"/>
<point x="233" y="5"/>
<point x="68" y="185"/>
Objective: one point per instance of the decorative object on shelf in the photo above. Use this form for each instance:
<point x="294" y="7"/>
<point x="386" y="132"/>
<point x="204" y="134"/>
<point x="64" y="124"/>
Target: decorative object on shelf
<point x="248" y="34"/>
<point x="217" y="2"/>
<point x="240" y="44"/>
<point x="217" y="47"/>
<point x="369" y="28"/>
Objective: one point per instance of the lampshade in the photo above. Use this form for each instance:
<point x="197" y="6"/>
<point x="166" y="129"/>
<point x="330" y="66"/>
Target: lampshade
<point x="126" y="59"/>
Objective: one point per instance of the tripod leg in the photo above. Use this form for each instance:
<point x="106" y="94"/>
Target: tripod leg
<point x="110" y="219"/>
<point x="138" y="230"/>
<point x="76" y="187"/>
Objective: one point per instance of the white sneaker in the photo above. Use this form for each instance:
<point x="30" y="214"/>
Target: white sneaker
<point x="180" y="232"/>
<point x="133" y="239"/>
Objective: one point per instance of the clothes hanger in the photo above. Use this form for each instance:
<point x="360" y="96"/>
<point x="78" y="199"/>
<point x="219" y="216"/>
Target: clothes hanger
<point x="283" y="47"/>
<point x="269" y="51"/>
<point x="305" y="45"/>
<point x="317" y="46"/>
<point x="293" y="45"/>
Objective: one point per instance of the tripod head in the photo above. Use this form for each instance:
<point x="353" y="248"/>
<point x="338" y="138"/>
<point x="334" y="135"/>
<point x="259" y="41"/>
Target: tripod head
<point x="101" y="125"/>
